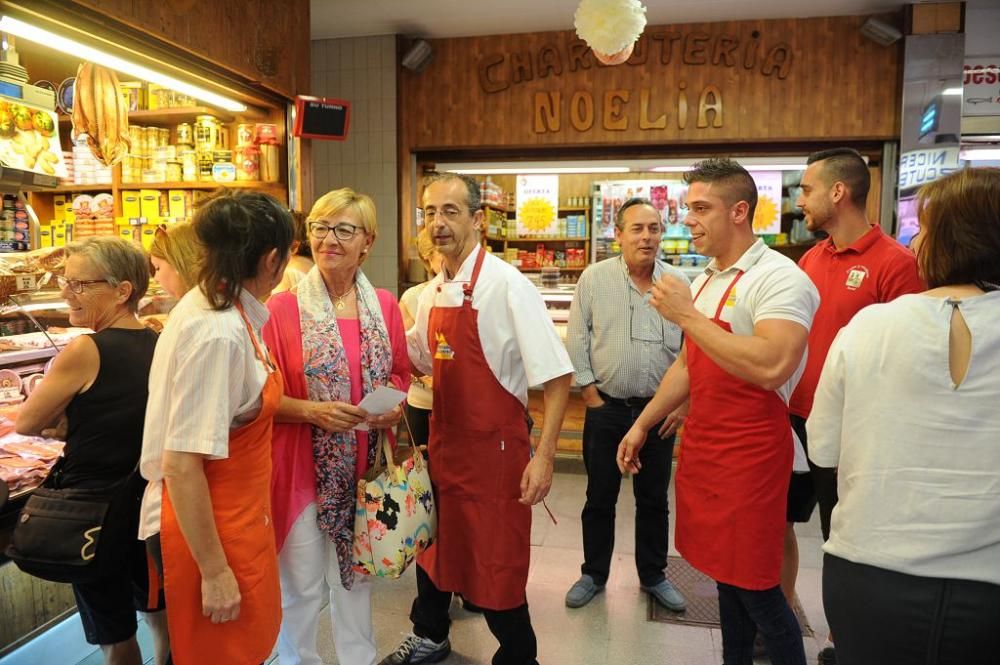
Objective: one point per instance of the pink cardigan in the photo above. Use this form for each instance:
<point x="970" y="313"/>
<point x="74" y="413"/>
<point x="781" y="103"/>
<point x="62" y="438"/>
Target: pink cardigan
<point x="293" y="477"/>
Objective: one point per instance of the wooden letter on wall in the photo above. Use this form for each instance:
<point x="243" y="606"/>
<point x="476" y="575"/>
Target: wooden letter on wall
<point x="779" y="59"/>
<point x="580" y="56"/>
<point x="581" y="111"/>
<point x="547" y="108"/>
<point x="704" y="106"/>
<point x="724" y="47"/>
<point x="549" y="61"/>
<point x="520" y="66"/>
<point x="487" y="83"/>
<point x="613" y="118"/>
<point x="694" y="49"/>
<point x="644" y="121"/>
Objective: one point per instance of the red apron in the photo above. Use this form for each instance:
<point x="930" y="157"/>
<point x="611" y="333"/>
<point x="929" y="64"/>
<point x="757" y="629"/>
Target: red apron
<point x="240" y="487"/>
<point x="479" y="446"/>
<point x="733" y="472"/>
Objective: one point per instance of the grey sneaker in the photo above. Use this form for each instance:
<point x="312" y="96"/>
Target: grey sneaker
<point x="415" y="650"/>
<point x="665" y="594"/>
<point x="582" y="591"/>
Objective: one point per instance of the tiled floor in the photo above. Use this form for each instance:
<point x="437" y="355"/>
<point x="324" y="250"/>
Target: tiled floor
<point x="611" y="629"/>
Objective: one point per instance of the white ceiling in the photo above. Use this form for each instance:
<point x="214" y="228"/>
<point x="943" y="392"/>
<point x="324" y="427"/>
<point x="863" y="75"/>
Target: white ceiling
<point x="458" y="18"/>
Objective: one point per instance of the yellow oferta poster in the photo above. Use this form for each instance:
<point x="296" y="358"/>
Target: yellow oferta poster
<point x="767" y="218"/>
<point x="537" y="205"/>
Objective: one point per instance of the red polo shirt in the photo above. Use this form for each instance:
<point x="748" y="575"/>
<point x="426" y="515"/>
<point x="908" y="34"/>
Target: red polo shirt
<point x="875" y="269"/>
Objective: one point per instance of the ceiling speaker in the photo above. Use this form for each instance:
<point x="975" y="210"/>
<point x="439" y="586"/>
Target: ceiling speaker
<point x="880" y="32"/>
<point x="418" y="56"/>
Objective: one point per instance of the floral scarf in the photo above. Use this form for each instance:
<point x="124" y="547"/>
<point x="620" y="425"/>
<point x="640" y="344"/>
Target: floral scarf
<point x="328" y="379"/>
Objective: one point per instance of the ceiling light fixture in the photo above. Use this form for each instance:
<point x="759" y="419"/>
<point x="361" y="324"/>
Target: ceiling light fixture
<point x="980" y="154"/>
<point x="84" y="52"/>
<point x="952" y="92"/>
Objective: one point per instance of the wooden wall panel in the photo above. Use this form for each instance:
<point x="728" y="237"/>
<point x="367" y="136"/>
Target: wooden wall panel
<point x="482" y="92"/>
<point x="265" y="42"/>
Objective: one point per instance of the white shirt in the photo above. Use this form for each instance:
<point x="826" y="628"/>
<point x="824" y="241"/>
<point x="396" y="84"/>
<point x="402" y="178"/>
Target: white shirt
<point x="918" y="457"/>
<point x="205" y="380"/>
<point x="419" y="396"/>
<point x="615" y="338"/>
<point x="773" y="287"/>
<point x="519" y="341"/>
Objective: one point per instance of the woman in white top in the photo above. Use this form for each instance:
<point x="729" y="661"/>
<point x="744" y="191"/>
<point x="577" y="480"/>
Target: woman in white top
<point x="420" y="397"/>
<point x="908" y="410"/>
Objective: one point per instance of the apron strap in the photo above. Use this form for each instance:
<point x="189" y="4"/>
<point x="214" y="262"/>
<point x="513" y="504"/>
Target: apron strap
<point x="725" y="296"/>
<point x="471" y="285"/>
<point x="253" y="338"/>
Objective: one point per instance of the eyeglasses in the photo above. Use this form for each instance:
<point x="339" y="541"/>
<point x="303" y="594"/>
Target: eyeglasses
<point x="449" y="212"/>
<point x="76" y="285"/>
<point x="340" y="231"/>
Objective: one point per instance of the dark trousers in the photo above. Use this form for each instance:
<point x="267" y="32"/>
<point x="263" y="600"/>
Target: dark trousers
<point x="824" y="480"/>
<point x="881" y="616"/>
<point x="603" y="429"/>
<point x="512" y="628"/>
<point x="743" y="612"/>
<point x="420" y="425"/>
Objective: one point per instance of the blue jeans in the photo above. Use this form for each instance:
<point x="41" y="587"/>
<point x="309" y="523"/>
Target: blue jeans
<point x="743" y="612"/>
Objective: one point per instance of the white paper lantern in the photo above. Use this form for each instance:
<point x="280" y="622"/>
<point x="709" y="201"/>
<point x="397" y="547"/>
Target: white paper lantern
<point x="610" y="27"/>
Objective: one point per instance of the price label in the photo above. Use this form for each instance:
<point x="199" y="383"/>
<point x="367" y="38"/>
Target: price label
<point x="26" y="282"/>
<point x="10" y="395"/>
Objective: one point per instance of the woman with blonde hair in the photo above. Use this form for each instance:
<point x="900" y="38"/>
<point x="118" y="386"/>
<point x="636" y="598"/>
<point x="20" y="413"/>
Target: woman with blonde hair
<point x="906" y="410"/>
<point x="336" y="338"/>
<point x="175" y="258"/>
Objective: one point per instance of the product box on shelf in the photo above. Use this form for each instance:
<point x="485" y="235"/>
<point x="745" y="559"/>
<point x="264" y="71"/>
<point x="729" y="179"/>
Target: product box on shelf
<point x="149" y="203"/>
<point x="45" y="236"/>
<point x="130" y="204"/>
<point x="59" y="203"/>
<point x="178" y="203"/>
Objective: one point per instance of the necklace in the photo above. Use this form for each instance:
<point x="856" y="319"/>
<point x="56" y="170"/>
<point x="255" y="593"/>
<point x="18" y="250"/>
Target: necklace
<point x="338" y="301"/>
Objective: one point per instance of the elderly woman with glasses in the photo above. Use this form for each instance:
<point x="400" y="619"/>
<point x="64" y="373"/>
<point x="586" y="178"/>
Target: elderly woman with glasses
<point x="97" y="388"/>
<point x="336" y="339"/>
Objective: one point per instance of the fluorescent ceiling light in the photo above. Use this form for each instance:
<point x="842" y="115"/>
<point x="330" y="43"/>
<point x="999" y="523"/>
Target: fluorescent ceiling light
<point x="84" y="52"/>
<point x="980" y="154"/>
<point x="952" y="91"/>
<point x="542" y="170"/>
<point x="748" y="167"/>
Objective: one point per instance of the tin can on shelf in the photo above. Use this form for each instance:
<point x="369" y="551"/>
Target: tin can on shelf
<point x="248" y="163"/>
<point x="185" y="134"/>
<point x="162" y="136"/>
<point x="206" y="132"/>
<point x="151" y="138"/>
<point x="189" y="165"/>
<point x="219" y="156"/>
<point x="205" y="165"/>
<point x="175" y="172"/>
<point x="244" y="134"/>
<point x="223" y="137"/>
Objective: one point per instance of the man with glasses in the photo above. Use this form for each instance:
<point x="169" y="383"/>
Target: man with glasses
<point x="621" y="348"/>
<point x="482" y="332"/>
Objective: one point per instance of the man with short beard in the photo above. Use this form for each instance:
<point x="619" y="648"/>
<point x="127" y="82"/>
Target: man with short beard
<point x="856" y="266"/>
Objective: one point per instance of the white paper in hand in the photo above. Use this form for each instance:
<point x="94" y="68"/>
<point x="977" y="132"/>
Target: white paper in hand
<point x="381" y="400"/>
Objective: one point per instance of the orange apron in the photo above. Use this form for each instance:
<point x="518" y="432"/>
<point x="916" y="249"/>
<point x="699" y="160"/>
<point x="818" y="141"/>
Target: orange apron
<point x="478" y="447"/>
<point x="240" y="488"/>
<point x="733" y="472"/>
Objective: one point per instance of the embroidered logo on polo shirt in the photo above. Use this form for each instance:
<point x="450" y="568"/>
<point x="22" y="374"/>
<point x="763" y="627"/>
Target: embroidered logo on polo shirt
<point x="731" y="299"/>
<point x="855" y="276"/>
<point x="444" y="350"/>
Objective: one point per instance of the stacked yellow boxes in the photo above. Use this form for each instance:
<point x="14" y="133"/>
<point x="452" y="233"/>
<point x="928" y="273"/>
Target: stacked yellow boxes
<point x="59" y="231"/>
